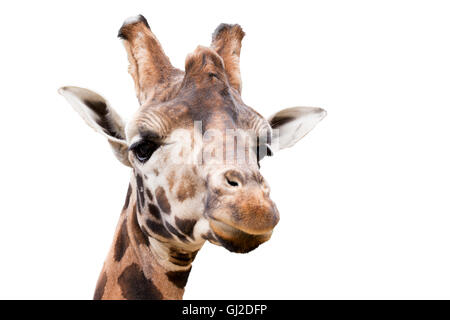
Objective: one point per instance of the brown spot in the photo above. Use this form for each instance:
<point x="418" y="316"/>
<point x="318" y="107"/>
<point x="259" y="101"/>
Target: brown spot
<point x="187" y="187"/>
<point x="179" y="278"/>
<point x="137" y="232"/>
<point x="186" y="225"/>
<point x="174" y="231"/>
<point x="156" y="172"/>
<point x="122" y="242"/>
<point x="158" y="228"/>
<point x="100" y="288"/>
<point x="135" y="286"/>
<point x="171" y="180"/>
<point x="127" y="199"/>
<point x="181" y="258"/>
<point x="154" y="211"/>
<point x="140" y="192"/>
<point x="162" y="200"/>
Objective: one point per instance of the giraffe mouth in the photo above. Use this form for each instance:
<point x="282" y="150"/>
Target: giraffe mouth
<point x="236" y="240"/>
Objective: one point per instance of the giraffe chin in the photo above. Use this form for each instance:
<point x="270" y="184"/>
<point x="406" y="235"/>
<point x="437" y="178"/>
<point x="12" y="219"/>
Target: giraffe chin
<point x="236" y="240"/>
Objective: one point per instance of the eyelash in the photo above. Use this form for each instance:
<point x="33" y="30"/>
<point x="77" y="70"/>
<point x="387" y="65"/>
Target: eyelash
<point x="269" y="151"/>
<point x="143" y="150"/>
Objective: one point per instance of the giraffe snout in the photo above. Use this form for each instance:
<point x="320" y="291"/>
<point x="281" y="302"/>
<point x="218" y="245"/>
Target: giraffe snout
<point x="240" y="211"/>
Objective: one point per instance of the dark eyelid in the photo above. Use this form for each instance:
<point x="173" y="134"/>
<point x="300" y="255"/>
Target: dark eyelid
<point x="267" y="145"/>
<point x="141" y="141"/>
<point x="150" y="135"/>
<point x="147" y="136"/>
<point x="134" y="145"/>
<point x="269" y="150"/>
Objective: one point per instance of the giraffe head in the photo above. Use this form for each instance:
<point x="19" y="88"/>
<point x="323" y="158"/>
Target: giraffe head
<point x="193" y="145"/>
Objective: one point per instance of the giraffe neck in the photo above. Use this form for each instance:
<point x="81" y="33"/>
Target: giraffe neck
<point x="139" y="267"/>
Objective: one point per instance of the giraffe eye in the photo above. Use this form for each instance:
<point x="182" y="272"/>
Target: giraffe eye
<point x="262" y="151"/>
<point x="143" y="150"/>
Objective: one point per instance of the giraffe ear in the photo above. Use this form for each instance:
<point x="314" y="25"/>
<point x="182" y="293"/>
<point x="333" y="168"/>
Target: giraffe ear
<point x="98" y="114"/>
<point x="292" y="124"/>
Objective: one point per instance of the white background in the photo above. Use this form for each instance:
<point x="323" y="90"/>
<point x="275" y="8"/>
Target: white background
<point x="364" y="198"/>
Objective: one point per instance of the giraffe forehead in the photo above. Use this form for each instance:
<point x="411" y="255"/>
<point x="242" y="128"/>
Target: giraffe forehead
<point x="164" y="121"/>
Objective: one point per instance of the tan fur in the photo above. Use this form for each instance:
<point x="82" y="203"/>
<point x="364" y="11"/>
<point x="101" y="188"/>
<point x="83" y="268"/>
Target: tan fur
<point x="173" y="208"/>
<point x="193" y="145"/>
<point x="187" y="188"/>
<point x="227" y="43"/>
<point x="152" y="72"/>
<point x="139" y="254"/>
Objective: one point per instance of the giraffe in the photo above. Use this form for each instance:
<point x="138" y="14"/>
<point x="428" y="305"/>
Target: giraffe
<point x="182" y="192"/>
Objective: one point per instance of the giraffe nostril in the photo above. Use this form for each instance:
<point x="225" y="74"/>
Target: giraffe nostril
<point x="233" y="178"/>
<point x="232" y="183"/>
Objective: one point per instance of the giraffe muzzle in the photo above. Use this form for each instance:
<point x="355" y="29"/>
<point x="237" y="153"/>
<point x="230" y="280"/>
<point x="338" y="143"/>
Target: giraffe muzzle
<point x="241" y="213"/>
<point x="236" y="240"/>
